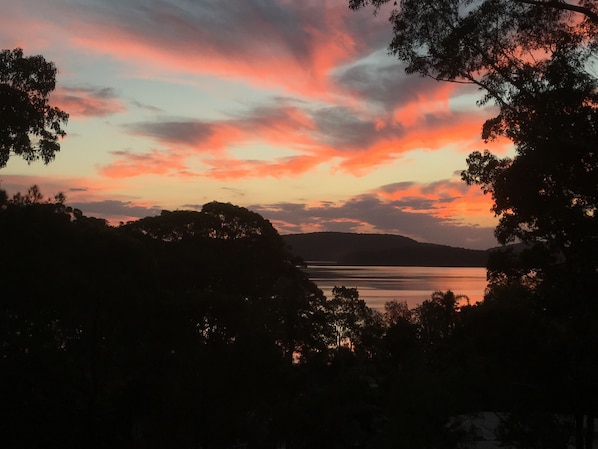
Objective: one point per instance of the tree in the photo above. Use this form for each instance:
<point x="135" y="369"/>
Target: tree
<point x="82" y="320"/>
<point x="437" y="317"/>
<point x="29" y="126"/>
<point x="501" y="46"/>
<point x="535" y="60"/>
<point x="547" y="193"/>
<point x="396" y="312"/>
<point x="401" y="333"/>
<point x="357" y="325"/>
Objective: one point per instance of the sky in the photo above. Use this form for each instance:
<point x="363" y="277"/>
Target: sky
<point x="292" y="109"/>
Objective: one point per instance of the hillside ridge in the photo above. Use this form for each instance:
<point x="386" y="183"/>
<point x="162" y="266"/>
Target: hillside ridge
<point x="346" y="248"/>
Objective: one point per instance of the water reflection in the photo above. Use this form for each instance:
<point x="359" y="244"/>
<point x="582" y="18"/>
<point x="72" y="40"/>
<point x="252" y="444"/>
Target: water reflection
<point x="377" y="285"/>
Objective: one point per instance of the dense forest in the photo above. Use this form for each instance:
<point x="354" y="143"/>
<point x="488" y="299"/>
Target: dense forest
<point x="199" y="329"/>
<point x="345" y="248"/>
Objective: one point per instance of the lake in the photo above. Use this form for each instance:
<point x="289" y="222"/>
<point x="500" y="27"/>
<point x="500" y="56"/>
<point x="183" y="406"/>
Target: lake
<point x="377" y="285"/>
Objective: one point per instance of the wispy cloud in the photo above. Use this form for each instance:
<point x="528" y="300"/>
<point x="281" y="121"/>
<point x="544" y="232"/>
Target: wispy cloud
<point x="130" y="164"/>
<point x="357" y="143"/>
<point x="88" y="101"/>
<point x="312" y="91"/>
<point x="293" y="45"/>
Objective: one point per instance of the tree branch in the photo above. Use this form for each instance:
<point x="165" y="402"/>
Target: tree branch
<point x="565" y="6"/>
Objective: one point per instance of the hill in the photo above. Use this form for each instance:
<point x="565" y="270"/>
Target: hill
<point x="344" y="248"/>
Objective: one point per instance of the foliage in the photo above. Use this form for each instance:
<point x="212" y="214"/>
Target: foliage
<point x="25" y="87"/>
<point x="437" y="317"/>
<point x="231" y="252"/>
<point x="198" y="329"/>
<point x="357" y="326"/>
<point x="546" y="195"/>
<point x="535" y="61"/>
<point x="184" y="329"/>
<point x="505" y="47"/>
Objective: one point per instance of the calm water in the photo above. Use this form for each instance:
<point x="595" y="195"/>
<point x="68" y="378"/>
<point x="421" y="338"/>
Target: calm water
<point x="377" y="285"/>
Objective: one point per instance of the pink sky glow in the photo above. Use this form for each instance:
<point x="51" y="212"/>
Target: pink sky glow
<point x="292" y="109"/>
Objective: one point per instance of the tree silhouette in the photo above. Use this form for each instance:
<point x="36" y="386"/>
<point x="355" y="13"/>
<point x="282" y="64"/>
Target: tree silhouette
<point x="534" y="60"/>
<point x="437" y="317"/>
<point x="25" y="86"/>
<point x="503" y="46"/>
<point x="355" y="327"/>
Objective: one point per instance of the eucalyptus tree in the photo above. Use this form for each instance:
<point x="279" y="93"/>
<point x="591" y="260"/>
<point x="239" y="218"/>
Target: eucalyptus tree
<point x="535" y="61"/>
<point x="29" y="126"/>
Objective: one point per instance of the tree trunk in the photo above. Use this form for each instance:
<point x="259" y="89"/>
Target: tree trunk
<point x="590" y="430"/>
<point x="579" y="430"/>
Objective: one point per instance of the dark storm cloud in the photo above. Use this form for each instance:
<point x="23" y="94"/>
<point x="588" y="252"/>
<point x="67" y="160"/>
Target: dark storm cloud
<point x="430" y="187"/>
<point x="269" y="114"/>
<point x="233" y="26"/>
<point x="373" y="28"/>
<point x="337" y="127"/>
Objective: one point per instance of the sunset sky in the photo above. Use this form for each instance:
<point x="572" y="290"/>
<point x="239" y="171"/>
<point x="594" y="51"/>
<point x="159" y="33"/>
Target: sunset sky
<point x="293" y="109"/>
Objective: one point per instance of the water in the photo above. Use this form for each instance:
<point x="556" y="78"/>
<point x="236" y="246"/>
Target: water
<point x="377" y="285"/>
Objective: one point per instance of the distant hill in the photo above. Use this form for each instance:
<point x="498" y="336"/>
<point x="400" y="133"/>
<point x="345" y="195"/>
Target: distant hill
<point x="344" y="248"/>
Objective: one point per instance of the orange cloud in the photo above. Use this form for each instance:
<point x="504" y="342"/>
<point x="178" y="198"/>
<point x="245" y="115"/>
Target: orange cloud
<point x="156" y="162"/>
<point x="354" y="144"/>
<point x="302" y="52"/>
<point x="449" y="199"/>
<point x="227" y="169"/>
<point x="212" y="143"/>
<point x="433" y="132"/>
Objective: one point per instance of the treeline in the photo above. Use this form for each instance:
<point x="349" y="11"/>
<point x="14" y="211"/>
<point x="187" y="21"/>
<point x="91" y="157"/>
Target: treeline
<point x="198" y="329"/>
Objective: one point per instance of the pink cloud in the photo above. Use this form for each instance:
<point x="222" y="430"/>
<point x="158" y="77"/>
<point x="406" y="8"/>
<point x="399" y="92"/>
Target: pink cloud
<point x="227" y="169"/>
<point x="212" y="144"/>
<point x="357" y="145"/>
<point x="447" y="199"/>
<point x="419" y="211"/>
<point x="291" y="45"/>
<point x="87" y="102"/>
<point x="156" y="162"/>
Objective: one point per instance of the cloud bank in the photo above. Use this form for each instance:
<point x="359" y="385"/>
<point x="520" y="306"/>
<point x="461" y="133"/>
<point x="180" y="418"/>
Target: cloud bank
<point x="293" y="108"/>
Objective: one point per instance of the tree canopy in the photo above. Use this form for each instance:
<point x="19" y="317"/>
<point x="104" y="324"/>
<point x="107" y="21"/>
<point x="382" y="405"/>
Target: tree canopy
<point x="503" y="46"/>
<point x="30" y="126"/>
<point x="200" y="329"/>
<point x="536" y="61"/>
